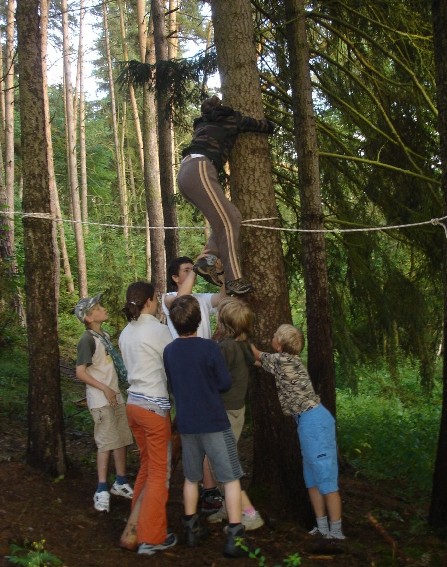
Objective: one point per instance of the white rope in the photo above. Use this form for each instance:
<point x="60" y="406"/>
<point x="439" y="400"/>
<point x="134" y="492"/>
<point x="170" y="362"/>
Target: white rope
<point x="442" y="221"/>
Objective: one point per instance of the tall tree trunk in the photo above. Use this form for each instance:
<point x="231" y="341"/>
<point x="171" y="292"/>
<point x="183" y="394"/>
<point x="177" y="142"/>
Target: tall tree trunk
<point x="53" y="188"/>
<point x="152" y="183"/>
<point x="82" y="141"/>
<point x="46" y="444"/>
<point x="72" y="161"/>
<point x="319" y="332"/>
<point x="122" y="191"/>
<point x="9" y="130"/>
<point x="438" y="508"/>
<point x="172" y="29"/>
<point x="164" y="133"/>
<point x="277" y="464"/>
<point x="143" y="44"/>
<point x="132" y="97"/>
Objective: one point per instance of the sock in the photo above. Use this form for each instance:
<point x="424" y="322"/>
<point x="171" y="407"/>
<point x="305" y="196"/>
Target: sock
<point x="322" y="525"/>
<point x="335" y="530"/>
<point x="187" y="517"/>
<point x="250" y="512"/>
<point x="121" y="479"/>
<point x="102" y="487"/>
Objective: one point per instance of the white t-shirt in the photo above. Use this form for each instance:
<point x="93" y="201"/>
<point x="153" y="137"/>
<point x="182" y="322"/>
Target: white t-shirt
<point x="206" y="310"/>
<point x="142" y="343"/>
<point x="92" y="353"/>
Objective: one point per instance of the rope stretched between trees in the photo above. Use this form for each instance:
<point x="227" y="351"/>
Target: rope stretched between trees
<point x="442" y="221"/>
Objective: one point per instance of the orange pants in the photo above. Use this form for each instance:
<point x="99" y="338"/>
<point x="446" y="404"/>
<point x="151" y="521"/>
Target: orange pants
<point x="152" y="434"/>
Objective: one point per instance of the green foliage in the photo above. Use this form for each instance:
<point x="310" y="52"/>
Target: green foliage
<point x="389" y="431"/>
<point x="13" y="381"/>
<point x="32" y="554"/>
<point x="290" y="561"/>
<point x="183" y="79"/>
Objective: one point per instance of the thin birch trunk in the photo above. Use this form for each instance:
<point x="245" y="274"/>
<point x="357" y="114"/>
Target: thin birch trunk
<point x="72" y="162"/>
<point x="120" y="175"/>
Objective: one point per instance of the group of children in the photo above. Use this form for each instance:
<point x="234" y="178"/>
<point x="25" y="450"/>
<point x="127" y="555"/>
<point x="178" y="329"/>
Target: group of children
<point x="206" y="376"/>
<point x="207" y="380"/>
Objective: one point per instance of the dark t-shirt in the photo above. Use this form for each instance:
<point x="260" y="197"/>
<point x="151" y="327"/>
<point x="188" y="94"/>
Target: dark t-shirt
<point x="197" y="374"/>
<point x="238" y="357"/>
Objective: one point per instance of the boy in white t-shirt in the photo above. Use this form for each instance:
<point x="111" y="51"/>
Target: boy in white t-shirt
<point x="95" y="367"/>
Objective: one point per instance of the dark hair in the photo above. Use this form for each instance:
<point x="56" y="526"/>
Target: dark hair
<point x="173" y="270"/>
<point x="210" y="104"/>
<point x="136" y="296"/>
<point x="185" y="315"/>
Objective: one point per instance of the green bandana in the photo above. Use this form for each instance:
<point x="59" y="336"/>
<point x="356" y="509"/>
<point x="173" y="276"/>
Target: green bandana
<point x="118" y="362"/>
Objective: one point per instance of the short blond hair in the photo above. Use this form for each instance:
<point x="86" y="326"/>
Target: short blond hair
<point x="235" y="319"/>
<point x="290" y="338"/>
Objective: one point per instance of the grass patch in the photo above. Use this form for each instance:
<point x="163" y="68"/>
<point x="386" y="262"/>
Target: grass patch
<point x="390" y="437"/>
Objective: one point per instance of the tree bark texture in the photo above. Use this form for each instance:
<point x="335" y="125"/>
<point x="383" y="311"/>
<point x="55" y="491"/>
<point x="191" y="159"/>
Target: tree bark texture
<point x="152" y="182"/>
<point x="277" y="462"/>
<point x="122" y="190"/>
<point x="319" y="333"/>
<point x="72" y="161"/>
<point x="46" y="444"/>
<point x="438" y="507"/>
<point x="165" y="134"/>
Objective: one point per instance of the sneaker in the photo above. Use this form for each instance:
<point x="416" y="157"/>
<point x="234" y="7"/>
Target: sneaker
<point x="101" y="501"/>
<point x="315" y="532"/>
<point x="252" y="522"/>
<point x="333" y="536"/>
<point x="122" y="490"/>
<point x="194" y="531"/>
<point x="238" y="287"/>
<point x="151" y="549"/>
<point x="211" y="501"/>
<point x="235" y="546"/>
<point x="218" y="516"/>
<point x="207" y="268"/>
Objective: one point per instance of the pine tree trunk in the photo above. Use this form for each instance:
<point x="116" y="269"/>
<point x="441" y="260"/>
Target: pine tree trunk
<point x="319" y="333"/>
<point x="438" y="508"/>
<point x="164" y="134"/>
<point x="72" y="161"/>
<point x="82" y="140"/>
<point x="277" y="463"/>
<point x="122" y="191"/>
<point x="53" y="188"/>
<point x="156" y="265"/>
<point x="9" y="130"/>
<point x="46" y="444"/>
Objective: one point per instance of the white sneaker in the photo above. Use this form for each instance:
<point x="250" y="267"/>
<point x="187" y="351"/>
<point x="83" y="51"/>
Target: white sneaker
<point x="252" y="522"/>
<point x="218" y="516"/>
<point x="101" y="501"/>
<point x="122" y="490"/>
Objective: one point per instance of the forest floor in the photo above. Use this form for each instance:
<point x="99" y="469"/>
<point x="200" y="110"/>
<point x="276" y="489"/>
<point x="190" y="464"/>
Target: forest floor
<point x="384" y="527"/>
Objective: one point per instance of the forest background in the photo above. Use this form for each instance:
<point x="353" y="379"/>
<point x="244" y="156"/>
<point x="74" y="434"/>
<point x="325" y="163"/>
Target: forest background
<point x="344" y="209"/>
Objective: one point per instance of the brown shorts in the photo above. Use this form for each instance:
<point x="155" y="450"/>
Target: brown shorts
<point x="111" y="428"/>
